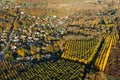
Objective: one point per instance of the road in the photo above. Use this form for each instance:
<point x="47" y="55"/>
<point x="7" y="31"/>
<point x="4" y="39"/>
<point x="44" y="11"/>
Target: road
<point x="9" y="39"/>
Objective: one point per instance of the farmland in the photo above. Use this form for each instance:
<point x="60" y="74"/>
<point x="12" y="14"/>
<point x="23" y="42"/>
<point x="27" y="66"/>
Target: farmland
<point x="82" y="50"/>
<point x="59" y="40"/>
<point x="43" y="70"/>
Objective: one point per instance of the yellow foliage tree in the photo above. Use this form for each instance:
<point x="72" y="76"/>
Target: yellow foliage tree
<point x="33" y="50"/>
<point x="21" y="52"/>
<point x="16" y="24"/>
<point x="7" y="56"/>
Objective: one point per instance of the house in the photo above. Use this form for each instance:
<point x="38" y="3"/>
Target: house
<point x="13" y="47"/>
<point x="21" y="13"/>
<point x="23" y="36"/>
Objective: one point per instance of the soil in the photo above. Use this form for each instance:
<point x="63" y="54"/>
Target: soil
<point x="113" y="65"/>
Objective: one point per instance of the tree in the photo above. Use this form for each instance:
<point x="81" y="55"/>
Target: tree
<point x="33" y="50"/>
<point x="9" y="56"/>
<point x="20" y="52"/>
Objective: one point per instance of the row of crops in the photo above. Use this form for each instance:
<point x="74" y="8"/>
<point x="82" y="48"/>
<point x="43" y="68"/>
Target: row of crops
<point x="85" y="51"/>
<point x="81" y="50"/>
<point x="104" y="51"/>
<point x="61" y="69"/>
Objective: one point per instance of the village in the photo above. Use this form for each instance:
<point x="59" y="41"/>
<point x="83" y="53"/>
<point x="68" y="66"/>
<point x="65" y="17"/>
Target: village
<point x="39" y="36"/>
<point x="32" y="35"/>
<point x="59" y="40"/>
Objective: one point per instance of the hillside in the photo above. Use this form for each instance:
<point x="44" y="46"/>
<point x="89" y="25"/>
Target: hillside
<point x="62" y="7"/>
<point x="62" y="39"/>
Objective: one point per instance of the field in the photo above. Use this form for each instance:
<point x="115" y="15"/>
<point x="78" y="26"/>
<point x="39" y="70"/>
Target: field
<point x="113" y="62"/>
<point x="80" y="50"/>
<point x="60" y="69"/>
<point x="59" y="40"/>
